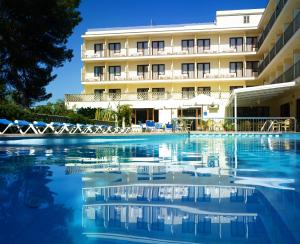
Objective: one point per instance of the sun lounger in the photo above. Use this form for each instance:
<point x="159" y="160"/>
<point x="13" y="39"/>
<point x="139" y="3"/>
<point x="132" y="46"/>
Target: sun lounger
<point x="24" y="126"/>
<point x="150" y="125"/>
<point x="7" y="124"/>
<point x="40" y="126"/>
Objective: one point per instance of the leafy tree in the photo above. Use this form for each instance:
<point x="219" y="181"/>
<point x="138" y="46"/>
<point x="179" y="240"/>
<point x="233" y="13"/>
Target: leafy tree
<point x="33" y="38"/>
<point x="124" y="111"/>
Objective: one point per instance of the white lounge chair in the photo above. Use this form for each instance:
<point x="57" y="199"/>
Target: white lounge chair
<point x="24" y="126"/>
<point x="7" y="124"/>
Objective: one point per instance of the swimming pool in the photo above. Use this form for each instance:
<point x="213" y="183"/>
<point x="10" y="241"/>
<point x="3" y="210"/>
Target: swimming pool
<point x="145" y="189"/>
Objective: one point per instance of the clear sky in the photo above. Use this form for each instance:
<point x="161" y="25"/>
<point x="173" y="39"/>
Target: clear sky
<point x="117" y="13"/>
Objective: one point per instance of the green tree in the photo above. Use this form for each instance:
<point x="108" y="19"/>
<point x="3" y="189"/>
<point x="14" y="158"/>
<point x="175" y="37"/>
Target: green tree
<point x="33" y="38"/>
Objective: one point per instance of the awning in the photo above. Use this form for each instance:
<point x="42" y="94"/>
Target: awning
<point x="258" y="94"/>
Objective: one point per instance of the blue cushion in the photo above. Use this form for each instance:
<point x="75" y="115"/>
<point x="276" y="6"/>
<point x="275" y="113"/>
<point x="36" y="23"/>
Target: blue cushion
<point x="39" y="124"/>
<point x="5" y="122"/>
<point x="22" y="122"/>
<point x="169" y="126"/>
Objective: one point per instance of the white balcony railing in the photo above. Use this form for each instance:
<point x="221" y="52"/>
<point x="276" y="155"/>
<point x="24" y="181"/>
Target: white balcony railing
<point x="144" y="96"/>
<point x="168" y="51"/>
<point x="191" y="76"/>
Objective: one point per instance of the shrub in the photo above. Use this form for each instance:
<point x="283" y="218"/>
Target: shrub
<point x="124" y="111"/>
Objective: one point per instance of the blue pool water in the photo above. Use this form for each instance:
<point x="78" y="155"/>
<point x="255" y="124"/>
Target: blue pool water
<point x="146" y="189"/>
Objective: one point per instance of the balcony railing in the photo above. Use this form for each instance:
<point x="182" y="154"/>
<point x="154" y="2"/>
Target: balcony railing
<point x="289" y="75"/>
<point x="283" y="39"/>
<point x="271" y="22"/>
<point x="149" y="52"/>
<point x="241" y="74"/>
<point x="146" y="96"/>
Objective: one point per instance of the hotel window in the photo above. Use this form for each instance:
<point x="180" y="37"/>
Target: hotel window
<point x="142" y="47"/>
<point x="251" y="68"/>
<point x="98" y="48"/>
<point x="203" y="45"/>
<point x="246" y="19"/>
<point x="114" y="48"/>
<point x="158" y="70"/>
<point x="114" y="94"/>
<point x="188" y="92"/>
<point x="142" y="93"/>
<point x="188" y="70"/>
<point x="142" y="71"/>
<point x="202" y="69"/>
<point x="98" y="94"/>
<point x="98" y="71"/>
<point x="236" y="43"/>
<point x="236" y="68"/>
<point x="114" y="71"/>
<point x="158" y="93"/>
<point x="158" y="46"/>
<point x="251" y="44"/>
<point x="204" y="90"/>
<point x="187" y="45"/>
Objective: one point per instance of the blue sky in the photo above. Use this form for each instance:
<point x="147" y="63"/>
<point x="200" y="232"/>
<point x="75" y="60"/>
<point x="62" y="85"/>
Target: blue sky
<point x="117" y="13"/>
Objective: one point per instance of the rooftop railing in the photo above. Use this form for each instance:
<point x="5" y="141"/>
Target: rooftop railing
<point x="281" y="42"/>
<point x="271" y="22"/>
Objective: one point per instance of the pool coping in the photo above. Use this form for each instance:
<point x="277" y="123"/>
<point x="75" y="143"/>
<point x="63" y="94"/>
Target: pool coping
<point x="221" y="133"/>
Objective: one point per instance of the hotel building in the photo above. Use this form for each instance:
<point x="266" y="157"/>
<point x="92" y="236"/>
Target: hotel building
<point x="246" y="63"/>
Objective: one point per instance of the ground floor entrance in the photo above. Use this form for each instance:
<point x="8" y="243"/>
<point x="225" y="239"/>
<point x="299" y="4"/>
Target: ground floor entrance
<point x="141" y="115"/>
<point x="194" y="113"/>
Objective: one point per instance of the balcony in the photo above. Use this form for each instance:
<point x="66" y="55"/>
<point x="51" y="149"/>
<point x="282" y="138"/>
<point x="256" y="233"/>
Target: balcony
<point x="240" y="74"/>
<point x="169" y="51"/>
<point x="289" y="75"/>
<point x="144" y="96"/>
<point x="271" y="22"/>
<point x="282" y="41"/>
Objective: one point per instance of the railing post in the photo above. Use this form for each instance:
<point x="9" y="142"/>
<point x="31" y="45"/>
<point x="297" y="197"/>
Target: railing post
<point x="235" y="112"/>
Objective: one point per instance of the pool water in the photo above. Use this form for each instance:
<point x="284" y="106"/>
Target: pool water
<point x="146" y="189"/>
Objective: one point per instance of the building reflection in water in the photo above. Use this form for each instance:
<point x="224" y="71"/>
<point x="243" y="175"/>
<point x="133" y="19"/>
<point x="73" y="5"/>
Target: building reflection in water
<point x="180" y="192"/>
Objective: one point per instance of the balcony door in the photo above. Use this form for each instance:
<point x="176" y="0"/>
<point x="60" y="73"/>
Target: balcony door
<point x="157" y="70"/>
<point x="188" y="92"/>
<point x="236" y="68"/>
<point x="142" y="71"/>
<point x="99" y="94"/>
<point x="142" y="48"/>
<point x="114" y="94"/>
<point x="236" y="43"/>
<point x="142" y="93"/>
<point x="158" y="93"/>
<point x="202" y="69"/>
<point x="188" y="70"/>
<point x="98" y="49"/>
<point x="203" y="45"/>
<point x="187" y="46"/>
<point x="114" y="72"/>
<point x="158" y="47"/>
<point x="251" y="68"/>
<point x="99" y="72"/>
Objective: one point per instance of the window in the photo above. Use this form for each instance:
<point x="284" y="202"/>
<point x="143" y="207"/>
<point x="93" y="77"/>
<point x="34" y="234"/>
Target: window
<point x="204" y="90"/>
<point x="203" y="68"/>
<point x="98" y="71"/>
<point x="246" y="19"/>
<point x="187" y="45"/>
<point x="142" y="70"/>
<point x="236" y="44"/>
<point x="114" y="48"/>
<point x="251" y="44"/>
<point x="203" y="45"/>
<point x="142" y="93"/>
<point x="158" y="46"/>
<point x="142" y="46"/>
<point x="114" y="94"/>
<point x="188" y="69"/>
<point x="114" y="71"/>
<point x="98" y="47"/>
<point x="237" y="68"/>
<point x="188" y="92"/>
<point x="251" y="68"/>
<point x="98" y="93"/>
<point x="158" y="93"/>
<point x="157" y="70"/>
